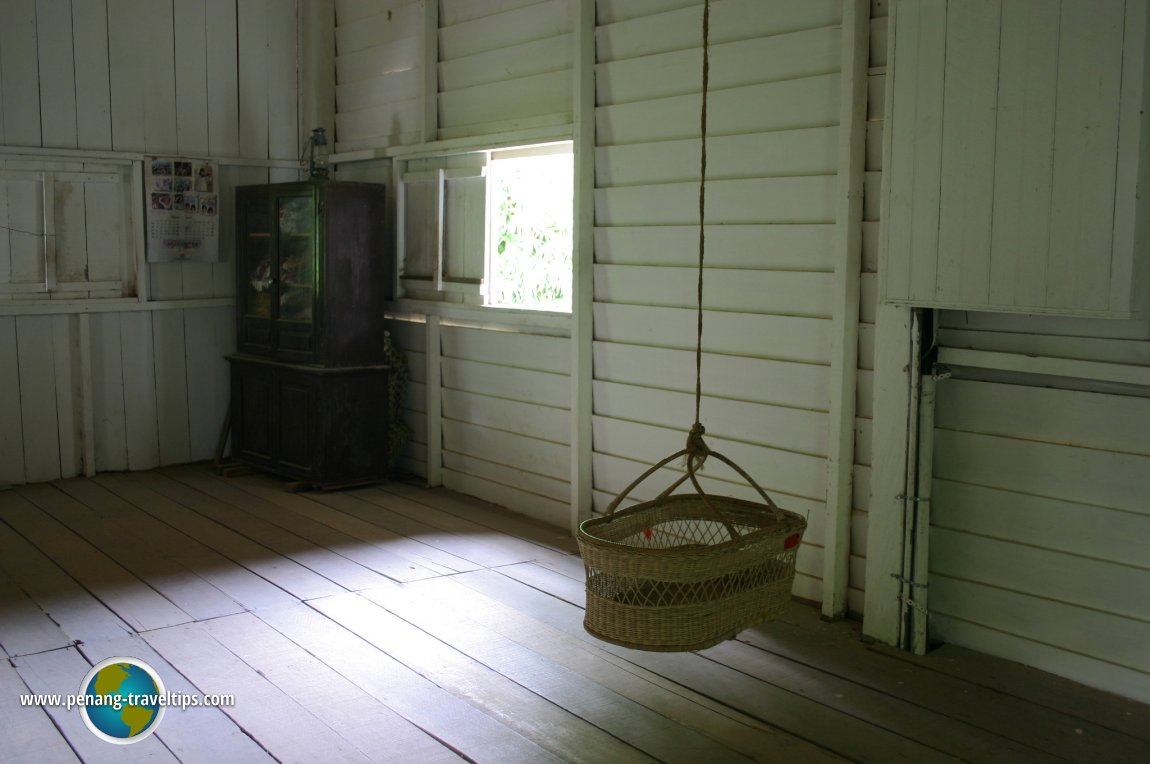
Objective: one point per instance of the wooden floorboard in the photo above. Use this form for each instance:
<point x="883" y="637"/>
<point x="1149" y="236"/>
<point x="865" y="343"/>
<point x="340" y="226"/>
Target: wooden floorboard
<point x="28" y="733"/>
<point x="396" y="623"/>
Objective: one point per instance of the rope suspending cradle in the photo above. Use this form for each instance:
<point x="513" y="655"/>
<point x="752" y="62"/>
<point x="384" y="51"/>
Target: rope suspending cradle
<point x="687" y="571"/>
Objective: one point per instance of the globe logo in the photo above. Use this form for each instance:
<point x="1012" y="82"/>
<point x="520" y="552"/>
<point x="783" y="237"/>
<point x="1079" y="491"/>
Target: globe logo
<point x="122" y="700"/>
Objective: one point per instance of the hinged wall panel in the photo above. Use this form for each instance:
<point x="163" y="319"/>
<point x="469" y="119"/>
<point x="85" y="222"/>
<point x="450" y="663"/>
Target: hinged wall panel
<point x="1003" y="187"/>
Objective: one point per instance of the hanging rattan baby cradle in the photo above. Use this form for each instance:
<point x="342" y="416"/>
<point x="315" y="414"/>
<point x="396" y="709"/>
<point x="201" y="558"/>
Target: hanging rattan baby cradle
<point x="687" y="571"/>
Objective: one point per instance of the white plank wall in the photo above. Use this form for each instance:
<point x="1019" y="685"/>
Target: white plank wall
<point x="772" y="159"/>
<point x="504" y="65"/>
<point x="506" y="419"/>
<point x="379" y="73"/>
<point x="200" y="78"/>
<point x="1039" y="529"/>
<point x="505" y="415"/>
<point x="410" y="338"/>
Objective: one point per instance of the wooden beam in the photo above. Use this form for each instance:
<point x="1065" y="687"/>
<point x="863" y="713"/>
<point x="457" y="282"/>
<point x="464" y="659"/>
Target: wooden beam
<point x="847" y="291"/>
<point x="889" y="433"/>
<point x="886" y="517"/>
<point x="583" y="273"/>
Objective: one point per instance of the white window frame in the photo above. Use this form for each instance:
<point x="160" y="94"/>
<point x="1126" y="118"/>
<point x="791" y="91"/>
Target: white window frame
<point x="440" y="285"/>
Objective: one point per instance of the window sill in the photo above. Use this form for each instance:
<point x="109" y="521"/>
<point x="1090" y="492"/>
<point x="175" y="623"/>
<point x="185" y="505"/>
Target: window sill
<point x="480" y="316"/>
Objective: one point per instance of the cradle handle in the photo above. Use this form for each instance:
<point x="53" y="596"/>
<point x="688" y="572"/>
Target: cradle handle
<point x="690" y="475"/>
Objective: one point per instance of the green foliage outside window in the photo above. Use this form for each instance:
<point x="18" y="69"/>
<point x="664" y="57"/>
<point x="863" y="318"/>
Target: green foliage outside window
<point x="532" y="241"/>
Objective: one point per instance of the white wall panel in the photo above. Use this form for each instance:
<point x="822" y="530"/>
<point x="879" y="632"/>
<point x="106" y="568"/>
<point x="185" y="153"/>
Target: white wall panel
<point x="507" y="419"/>
<point x="19" y="69"/>
<point x="379" y="73"/>
<point x="201" y="78"/>
<point x="1039" y="520"/>
<point x="504" y="66"/>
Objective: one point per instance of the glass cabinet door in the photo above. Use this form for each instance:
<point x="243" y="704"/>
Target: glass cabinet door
<point x="256" y="261"/>
<point x="296" y="234"/>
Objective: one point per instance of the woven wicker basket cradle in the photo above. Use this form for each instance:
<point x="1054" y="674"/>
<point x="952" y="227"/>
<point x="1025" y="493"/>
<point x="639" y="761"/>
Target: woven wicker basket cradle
<point x="687" y="571"/>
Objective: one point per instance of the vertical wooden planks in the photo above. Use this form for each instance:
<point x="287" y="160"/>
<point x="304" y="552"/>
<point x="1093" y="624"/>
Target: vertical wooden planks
<point x="171" y="382"/>
<point x="205" y="335"/>
<point x="223" y="121"/>
<point x="1024" y="155"/>
<point x="65" y="362"/>
<point x="19" y="72"/>
<point x="1129" y="267"/>
<point x="191" y="69"/>
<point x="56" y="67"/>
<point x="1085" y="143"/>
<point x="105" y="238"/>
<point x="126" y="75"/>
<point x="110" y="433"/>
<point x="71" y="232"/>
<point x="190" y="23"/>
<point x="915" y="116"/>
<point x="5" y="233"/>
<point x="38" y="398"/>
<point x="139" y="390"/>
<point x="93" y="88"/>
<point x="26" y="228"/>
<point x="222" y="78"/>
<point x="11" y="418"/>
<point x="253" y="50"/>
<point x="282" y="85"/>
<point x="967" y="171"/>
<point x="155" y="57"/>
<point x="162" y="117"/>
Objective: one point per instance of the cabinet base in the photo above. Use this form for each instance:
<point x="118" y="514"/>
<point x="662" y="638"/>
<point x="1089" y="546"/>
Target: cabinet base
<point x="319" y="426"/>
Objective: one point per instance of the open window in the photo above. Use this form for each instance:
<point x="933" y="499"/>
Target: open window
<point x="489" y="228"/>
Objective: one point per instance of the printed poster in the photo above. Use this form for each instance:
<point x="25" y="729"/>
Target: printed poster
<point x="182" y="197"/>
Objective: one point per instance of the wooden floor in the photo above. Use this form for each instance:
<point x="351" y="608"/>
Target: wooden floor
<point x="401" y="624"/>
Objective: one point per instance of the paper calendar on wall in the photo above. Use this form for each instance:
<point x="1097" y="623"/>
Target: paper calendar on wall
<point x="182" y="199"/>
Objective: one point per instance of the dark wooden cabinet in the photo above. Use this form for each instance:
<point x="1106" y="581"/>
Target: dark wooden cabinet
<point x="312" y="276"/>
<point x="309" y="381"/>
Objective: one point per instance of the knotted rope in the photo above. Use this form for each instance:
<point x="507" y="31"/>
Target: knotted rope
<point x="697" y="449"/>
